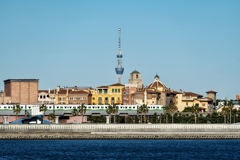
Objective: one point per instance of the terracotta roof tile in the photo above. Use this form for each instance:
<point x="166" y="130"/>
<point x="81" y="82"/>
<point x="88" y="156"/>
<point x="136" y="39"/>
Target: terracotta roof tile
<point x="192" y="94"/>
<point x="117" y="84"/>
<point x="211" y="91"/>
<point x="102" y="87"/>
<point x="78" y="92"/>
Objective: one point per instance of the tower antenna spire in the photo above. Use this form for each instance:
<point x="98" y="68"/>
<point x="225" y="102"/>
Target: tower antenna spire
<point x="119" y="69"/>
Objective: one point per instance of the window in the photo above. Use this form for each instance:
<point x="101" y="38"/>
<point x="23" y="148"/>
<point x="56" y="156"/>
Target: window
<point x="112" y="90"/>
<point x="118" y="90"/>
<point x="186" y="103"/>
<point x="105" y="91"/>
<point x="93" y="98"/>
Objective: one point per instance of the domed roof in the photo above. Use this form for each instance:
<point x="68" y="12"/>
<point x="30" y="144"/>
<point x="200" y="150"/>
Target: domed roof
<point x="156" y="77"/>
<point x="135" y="72"/>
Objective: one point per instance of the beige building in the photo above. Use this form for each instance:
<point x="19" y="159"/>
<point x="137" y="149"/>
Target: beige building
<point x="135" y="79"/>
<point x="21" y="91"/>
<point x="72" y="96"/>
<point x="46" y="96"/>
<point x="189" y="99"/>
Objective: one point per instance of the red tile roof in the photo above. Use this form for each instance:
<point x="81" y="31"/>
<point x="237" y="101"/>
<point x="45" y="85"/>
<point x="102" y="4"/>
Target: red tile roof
<point x="156" y="84"/>
<point x="116" y="84"/>
<point x="78" y="92"/>
<point x="211" y="91"/>
<point x="102" y="87"/>
<point x="192" y="94"/>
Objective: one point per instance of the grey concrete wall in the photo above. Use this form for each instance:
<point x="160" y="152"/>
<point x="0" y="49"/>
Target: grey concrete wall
<point x="121" y="128"/>
<point x="121" y="131"/>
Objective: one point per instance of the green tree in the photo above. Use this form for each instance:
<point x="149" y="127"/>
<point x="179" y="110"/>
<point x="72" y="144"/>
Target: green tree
<point x="171" y="109"/>
<point x="75" y="112"/>
<point x="154" y="118"/>
<point x="51" y="117"/>
<point x="129" y="119"/>
<point x="82" y="110"/>
<point x="16" y="110"/>
<point x="143" y="110"/>
<point x="195" y="111"/>
<point x="109" y="111"/>
<point x="230" y="108"/>
<point x="114" y="111"/>
<point x="43" y="108"/>
<point x="225" y="113"/>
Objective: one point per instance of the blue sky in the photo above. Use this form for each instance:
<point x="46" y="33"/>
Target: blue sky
<point x="191" y="45"/>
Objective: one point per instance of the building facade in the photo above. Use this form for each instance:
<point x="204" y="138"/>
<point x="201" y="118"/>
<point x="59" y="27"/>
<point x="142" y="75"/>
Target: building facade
<point x="21" y="91"/>
<point x="135" y="79"/>
<point x="111" y="94"/>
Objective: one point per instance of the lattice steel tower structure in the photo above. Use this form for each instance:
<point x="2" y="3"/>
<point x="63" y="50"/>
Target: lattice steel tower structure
<point x="119" y="70"/>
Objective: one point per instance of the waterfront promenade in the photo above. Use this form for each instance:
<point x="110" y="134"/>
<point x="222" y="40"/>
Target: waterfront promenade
<point x="120" y="131"/>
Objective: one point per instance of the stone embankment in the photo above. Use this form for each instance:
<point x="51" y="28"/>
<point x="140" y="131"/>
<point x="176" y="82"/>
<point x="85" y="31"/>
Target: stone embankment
<point x="120" y="131"/>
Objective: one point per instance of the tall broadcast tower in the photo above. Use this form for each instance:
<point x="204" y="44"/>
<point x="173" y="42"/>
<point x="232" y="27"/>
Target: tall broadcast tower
<point x="119" y="70"/>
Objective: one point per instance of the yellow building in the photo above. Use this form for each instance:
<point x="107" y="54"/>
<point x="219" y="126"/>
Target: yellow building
<point x="111" y="94"/>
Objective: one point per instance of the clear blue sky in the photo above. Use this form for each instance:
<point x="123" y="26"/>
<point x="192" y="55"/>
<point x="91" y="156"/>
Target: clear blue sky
<point x="193" y="45"/>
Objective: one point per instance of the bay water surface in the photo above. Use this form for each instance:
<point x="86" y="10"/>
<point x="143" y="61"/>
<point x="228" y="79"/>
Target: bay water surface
<point x="119" y="149"/>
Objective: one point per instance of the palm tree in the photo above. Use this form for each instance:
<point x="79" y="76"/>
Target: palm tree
<point x="43" y="108"/>
<point x="115" y="111"/>
<point x="82" y="110"/>
<point x="195" y="111"/>
<point x="225" y="113"/>
<point x="51" y="117"/>
<point x="75" y="112"/>
<point x="16" y="110"/>
<point x="230" y="107"/>
<point x="109" y="111"/>
<point x="170" y="109"/>
<point x="143" y="110"/>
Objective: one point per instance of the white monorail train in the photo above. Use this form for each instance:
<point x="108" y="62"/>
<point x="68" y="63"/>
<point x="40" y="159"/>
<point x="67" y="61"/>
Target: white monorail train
<point x="66" y="109"/>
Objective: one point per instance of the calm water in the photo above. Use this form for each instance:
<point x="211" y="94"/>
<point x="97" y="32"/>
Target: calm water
<point x="120" y="149"/>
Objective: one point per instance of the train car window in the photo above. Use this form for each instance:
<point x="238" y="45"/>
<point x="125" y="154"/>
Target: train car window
<point x="29" y="107"/>
<point x="133" y="107"/>
<point x="157" y="107"/>
<point x="5" y="107"/>
<point x="148" y="107"/>
<point x="130" y="107"/>
<point x="105" y="107"/>
<point x="50" y="107"/>
<point x="101" y="107"/>
<point x="8" y="107"/>
<point x="70" y="107"/>
<point x="61" y="107"/>
<point x="57" y="107"/>
<point x="120" y="107"/>
<point x="65" y="107"/>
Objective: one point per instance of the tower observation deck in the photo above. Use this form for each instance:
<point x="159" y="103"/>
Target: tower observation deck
<point x="119" y="69"/>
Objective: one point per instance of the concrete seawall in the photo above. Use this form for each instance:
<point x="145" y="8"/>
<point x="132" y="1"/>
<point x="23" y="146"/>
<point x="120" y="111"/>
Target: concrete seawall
<point x="121" y="131"/>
